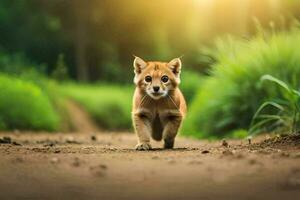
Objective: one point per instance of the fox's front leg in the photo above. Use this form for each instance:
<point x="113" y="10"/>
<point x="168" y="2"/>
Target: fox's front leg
<point x="170" y="130"/>
<point x="142" y="126"/>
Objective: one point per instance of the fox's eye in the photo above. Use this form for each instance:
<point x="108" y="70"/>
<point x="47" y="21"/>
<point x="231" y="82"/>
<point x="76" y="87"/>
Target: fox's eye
<point x="164" y="78"/>
<point x="148" y="79"/>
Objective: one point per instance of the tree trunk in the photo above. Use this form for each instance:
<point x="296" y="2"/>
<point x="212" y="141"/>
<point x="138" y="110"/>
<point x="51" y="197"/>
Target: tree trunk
<point x="80" y="47"/>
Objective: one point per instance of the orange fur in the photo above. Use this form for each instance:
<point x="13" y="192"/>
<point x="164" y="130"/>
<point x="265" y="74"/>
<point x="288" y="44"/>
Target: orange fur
<point x="157" y="113"/>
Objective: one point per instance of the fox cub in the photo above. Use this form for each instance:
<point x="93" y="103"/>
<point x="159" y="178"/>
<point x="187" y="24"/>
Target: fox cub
<point x="158" y="104"/>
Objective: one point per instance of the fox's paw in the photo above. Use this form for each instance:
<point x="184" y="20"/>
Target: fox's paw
<point x="143" y="147"/>
<point x="169" y="143"/>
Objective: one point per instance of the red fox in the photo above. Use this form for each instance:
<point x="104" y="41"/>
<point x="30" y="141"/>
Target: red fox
<point x="158" y="104"/>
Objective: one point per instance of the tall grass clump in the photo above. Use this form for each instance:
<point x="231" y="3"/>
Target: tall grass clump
<point x="109" y="105"/>
<point x="281" y="114"/>
<point x="229" y="98"/>
<point x="24" y="105"/>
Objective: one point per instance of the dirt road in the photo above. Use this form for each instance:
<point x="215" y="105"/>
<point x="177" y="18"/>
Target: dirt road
<point x="104" y="166"/>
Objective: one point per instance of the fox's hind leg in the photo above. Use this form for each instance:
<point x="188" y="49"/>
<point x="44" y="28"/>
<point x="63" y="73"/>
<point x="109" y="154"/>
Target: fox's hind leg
<point x="157" y="129"/>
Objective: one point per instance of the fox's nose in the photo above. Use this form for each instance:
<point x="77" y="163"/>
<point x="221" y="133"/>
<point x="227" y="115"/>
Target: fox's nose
<point x="156" y="88"/>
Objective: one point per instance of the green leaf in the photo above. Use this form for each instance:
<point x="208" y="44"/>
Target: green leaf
<point x="270" y="117"/>
<point x="268" y="77"/>
<point x="255" y="128"/>
<point x="296" y="92"/>
<point x="264" y="105"/>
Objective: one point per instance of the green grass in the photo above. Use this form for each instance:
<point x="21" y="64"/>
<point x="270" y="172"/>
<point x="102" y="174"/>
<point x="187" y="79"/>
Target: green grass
<point x="109" y="105"/>
<point x="281" y="114"/>
<point x="24" y="105"/>
<point x="228" y="99"/>
<point x="190" y="83"/>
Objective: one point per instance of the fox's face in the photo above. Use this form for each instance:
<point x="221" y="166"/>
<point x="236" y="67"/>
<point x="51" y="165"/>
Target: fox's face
<point x="157" y="78"/>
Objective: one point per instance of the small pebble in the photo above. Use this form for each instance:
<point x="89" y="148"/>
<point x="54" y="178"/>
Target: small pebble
<point x="102" y="166"/>
<point x="252" y="161"/>
<point x="99" y="170"/>
<point x="93" y="138"/>
<point x="204" y="151"/>
<point x="249" y="138"/>
<point x="240" y="156"/>
<point x="171" y="161"/>
<point x="225" y="143"/>
<point x="155" y="157"/>
<point x="76" y="162"/>
<point x="49" y="144"/>
<point x="54" y="160"/>
<point x="5" y="140"/>
<point x="98" y="173"/>
<point x="56" y="151"/>
<point x="16" y="143"/>
<point x="71" y="140"/>
<point x="284" y="154"/>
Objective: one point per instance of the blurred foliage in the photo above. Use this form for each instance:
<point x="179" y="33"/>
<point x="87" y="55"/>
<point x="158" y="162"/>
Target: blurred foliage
<point x="109" y="105"/>
<point x="17" y="64"/>
<point x="17" y="68"/>
<point x="229" y="98"/>
<point x="190" y="83"/>
<point x="24" y="105"/>
<point x="98" y="38"/>
<point x="60" y="72"/>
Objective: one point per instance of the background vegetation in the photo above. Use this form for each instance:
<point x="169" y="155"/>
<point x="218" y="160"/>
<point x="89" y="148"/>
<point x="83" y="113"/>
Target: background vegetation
<point x="109" y="105"/>
<point x="56" y="50"/>
<point x="24" y="105"/>
<point x="229" y="98"/>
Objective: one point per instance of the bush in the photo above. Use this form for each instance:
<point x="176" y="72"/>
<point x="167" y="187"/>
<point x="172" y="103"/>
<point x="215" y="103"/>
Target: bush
<point x="229" y="98"/>
<point x="278" y="114"/>
<point x="190" y="83"/>
<point x="109" y="105"/>
<point x="24" y="105"/>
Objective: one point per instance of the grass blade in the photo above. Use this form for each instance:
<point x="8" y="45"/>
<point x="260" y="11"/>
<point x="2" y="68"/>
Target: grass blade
<point x="254" y="128"/>
<point x="277" y="81"/>
<point x="264" y="105"/>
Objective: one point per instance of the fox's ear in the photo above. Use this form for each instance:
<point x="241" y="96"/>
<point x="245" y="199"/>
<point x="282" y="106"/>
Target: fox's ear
<point x="139" y="64"/>
<point x="175" y="66"/>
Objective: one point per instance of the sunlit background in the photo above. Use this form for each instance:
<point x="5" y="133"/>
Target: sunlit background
<point x="98" y="38"/>
<point x="55" y="44"/>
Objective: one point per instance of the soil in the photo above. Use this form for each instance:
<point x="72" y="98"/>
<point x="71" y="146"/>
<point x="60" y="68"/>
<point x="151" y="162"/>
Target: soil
<point x="101" y="165"/>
